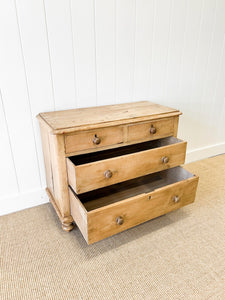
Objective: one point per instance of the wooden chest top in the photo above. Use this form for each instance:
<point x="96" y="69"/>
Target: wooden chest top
<point x="66" y="121"/>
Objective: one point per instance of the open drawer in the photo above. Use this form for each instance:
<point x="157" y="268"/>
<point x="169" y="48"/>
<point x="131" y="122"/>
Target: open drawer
<point x="87" y="172"/>
<point x="107" y="211"/>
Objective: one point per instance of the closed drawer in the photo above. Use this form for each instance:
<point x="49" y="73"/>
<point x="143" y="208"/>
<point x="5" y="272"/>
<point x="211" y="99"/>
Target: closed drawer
<point x="93" y="139"/>
<point x="151" y="130"/>
<point x="105" y="212"/>
<point x="96" y="170"/>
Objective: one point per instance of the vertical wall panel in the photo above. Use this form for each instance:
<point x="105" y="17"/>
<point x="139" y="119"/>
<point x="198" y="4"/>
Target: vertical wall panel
<point x="214" y="60"/>
<point x="190" y="46"/>
<point x="143" y="47"/>
<point x="36" y="58"/>
<point x="160" y="48"/>
<point x="8" y="182"/>
<point x="199" y="69"/>
<point x="58" y="54"/>
<point x="15" y="99"/>
<point x="209" y="103"/>
<point x="176" y="43"/>
<point x="83" y="27"/>
<point x="219" y="100"/>
<point x="58" y="21"/>
<point x="192" y="30"/>
<point x="202" y="51"/>
<point x="105" y="50"/>
<point x="125" y="54"/>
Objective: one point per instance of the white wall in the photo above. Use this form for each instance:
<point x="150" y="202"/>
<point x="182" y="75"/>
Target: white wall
<point x="59" y="54"/>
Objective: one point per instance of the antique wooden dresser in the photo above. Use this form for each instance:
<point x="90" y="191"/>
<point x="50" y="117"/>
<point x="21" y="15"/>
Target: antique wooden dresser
<point x="110" y="168"/>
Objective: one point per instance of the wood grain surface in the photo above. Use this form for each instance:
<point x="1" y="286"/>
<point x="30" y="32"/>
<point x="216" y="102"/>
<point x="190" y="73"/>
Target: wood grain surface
<point x="94" y="117"/>
<point x="136" y="203"/>
<point x="89" y="176"/>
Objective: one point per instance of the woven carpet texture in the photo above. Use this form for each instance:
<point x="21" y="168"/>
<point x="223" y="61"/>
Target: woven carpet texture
<point x="180" y="255"/>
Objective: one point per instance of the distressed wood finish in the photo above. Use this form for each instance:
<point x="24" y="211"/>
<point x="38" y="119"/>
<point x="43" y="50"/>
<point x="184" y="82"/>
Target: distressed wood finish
<point x="121" y="160"/>
<point x="69" y="121"/>
<point x="67" y="221"/>
<point x="143" y="138"/>
<point x="79" y="214"/>
<point x="175" y="128"/>
<point x="59" y="172"/>
<point x="99" y="218"/>
<point x="56" y="174"/>
<point x="160" y="129"/>
<point x="47" y="157"/>
<point x="94" y="139"/>
<point x="89" y="176"/>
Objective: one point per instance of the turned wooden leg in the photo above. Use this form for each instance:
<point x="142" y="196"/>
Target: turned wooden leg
<point x="67" y="222"/>
<point x="67" y="226"/>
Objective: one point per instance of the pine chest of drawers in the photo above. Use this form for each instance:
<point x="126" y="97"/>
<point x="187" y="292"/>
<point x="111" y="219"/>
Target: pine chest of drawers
<point x="110" y="168"/>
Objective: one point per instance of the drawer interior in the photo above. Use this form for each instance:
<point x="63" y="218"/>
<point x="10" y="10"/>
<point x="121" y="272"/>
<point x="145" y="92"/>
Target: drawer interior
<point x="124" y="150"/>
<point x="118" y="192"/>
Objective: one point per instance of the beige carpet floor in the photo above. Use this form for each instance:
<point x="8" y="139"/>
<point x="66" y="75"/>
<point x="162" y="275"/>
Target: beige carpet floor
<point x="177" y="256"/>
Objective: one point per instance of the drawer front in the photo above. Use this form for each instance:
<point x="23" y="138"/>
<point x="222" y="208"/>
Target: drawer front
<point x="103" y="173"/>
<point x="151" y="130"/>
<point x="93" y="139"/>
<point x="109" y="219"/>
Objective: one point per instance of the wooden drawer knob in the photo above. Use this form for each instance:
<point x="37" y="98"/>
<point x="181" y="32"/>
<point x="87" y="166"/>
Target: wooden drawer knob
<point x="96" y="140"/>
<point x="108" y="174"/>
<point x="165" y="159"/>
<point x="152" y="130"/>
<point x="119" y="220"/>
<point x="176" y="199"/>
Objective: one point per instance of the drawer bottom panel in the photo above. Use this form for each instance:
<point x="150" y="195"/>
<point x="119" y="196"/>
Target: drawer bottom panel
<point x="107" y="211"/>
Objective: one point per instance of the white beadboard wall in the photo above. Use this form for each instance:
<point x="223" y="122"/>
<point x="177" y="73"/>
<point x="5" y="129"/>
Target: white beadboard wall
<point x="60" y="54"/>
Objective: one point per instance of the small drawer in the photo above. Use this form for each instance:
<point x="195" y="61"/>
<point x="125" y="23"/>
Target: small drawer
<point x="93" y="139"/>
<point x="91" y="171"/>
<point x="151" y="130"/>
<point x="105" y="212"/>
